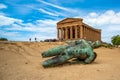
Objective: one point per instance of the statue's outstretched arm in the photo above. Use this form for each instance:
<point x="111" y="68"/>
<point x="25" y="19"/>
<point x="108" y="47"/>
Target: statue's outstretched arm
<point x="56" y="60"/>
<point x="54" y="51"/>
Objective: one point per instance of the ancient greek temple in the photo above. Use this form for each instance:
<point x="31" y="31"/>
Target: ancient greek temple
<point x="74" y="29"/>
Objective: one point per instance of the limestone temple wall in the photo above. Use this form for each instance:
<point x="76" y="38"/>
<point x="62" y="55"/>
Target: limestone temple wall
<point x="74" y="29"/>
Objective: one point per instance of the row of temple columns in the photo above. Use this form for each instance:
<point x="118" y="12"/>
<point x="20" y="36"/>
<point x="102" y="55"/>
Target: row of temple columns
<point x="72" y="32"/>
<point x="91" y="34"/>
<point x="78" y="32"/>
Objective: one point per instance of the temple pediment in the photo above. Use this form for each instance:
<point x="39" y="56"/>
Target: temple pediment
<point x="70" y="20"/>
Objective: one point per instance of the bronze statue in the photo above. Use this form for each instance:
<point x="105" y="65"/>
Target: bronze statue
<point x="80" y="49"/>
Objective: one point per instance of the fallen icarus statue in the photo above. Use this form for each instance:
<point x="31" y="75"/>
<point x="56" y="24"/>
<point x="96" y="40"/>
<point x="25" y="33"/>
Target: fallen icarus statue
<point x="80" y="49"/>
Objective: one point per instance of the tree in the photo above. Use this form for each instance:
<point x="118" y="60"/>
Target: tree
<point x="3" y="39"/>
<point x="116" y="40"/>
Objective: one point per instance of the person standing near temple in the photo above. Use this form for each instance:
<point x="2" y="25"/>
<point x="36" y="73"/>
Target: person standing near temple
<point x="35" y="39"/>
<point x="30" y="39"/>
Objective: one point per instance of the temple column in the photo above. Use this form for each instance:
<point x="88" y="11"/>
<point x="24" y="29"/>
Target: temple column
<point x="81" y="32"/>
<point x="97" y="35"/>
<point x="84" y="32"/>
<point x="62" y="34"/>
<point x="100" y="35"/>
<point x="58" y="33"/>
<point x="76" y="33"/>
<point x="71" y="32"/>
<point x="93" y="35"/>
<point x="66" y="33"/>
<point x="90" y="34"/>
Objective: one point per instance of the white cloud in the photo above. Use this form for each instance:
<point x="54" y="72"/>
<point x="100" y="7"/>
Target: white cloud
<point x="12" y="34"/>
<point x="93" y="14"/>
<point x="108" y="17"/>
<point x="8" y="21"/>
<point x="2" y="6"/>
<point x="44" y="29"/>
<point x="46" y="23"/>
<point x="47" y="12"/>
<point x="38" y="27"/>
<point x="47" y="26"/>
<point x="109" y="22"/>
<point x="53" y="5"/>
<point x="74" y="11"/>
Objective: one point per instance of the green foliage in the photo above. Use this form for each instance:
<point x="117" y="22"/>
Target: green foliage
<point x="3" y="39"/>
<point x="116" y="40"/>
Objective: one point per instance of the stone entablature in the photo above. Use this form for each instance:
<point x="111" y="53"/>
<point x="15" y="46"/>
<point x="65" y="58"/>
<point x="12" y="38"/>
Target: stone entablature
<point x="74" y="28"/>
<point x="69" y="22"/>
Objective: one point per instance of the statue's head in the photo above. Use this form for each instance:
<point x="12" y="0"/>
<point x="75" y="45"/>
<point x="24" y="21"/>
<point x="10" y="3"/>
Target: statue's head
<point x="96" y="44"/>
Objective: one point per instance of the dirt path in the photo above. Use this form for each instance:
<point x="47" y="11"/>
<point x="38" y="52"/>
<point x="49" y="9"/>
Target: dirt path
<point x="22" y="61"/>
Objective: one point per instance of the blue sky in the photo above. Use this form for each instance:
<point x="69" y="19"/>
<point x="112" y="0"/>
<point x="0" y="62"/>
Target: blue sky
<point x="24" y="19"/>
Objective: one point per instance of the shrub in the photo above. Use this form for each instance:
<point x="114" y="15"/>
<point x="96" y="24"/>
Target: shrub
<point x="115" y="40"/>
<point x="50" y="40"/>
<point x="3" y="39"/>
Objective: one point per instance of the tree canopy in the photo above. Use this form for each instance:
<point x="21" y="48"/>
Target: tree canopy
<point x="116" y="40"/>
<point x="3" y="39"/>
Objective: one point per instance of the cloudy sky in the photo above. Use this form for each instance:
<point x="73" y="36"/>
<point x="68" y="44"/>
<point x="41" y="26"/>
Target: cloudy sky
<point x="24" y="19"/>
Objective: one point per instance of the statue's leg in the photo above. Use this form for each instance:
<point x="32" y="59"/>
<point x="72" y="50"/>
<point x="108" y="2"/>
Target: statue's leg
<point x="54" y="51"/>
<point x="56" y="60"/>
<point x="91" y="57"/>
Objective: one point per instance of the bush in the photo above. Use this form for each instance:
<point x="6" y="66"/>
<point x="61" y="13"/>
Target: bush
<point x="3" y="39"/>
<point x="50" y="40"/>
<point x="115" y="40"/>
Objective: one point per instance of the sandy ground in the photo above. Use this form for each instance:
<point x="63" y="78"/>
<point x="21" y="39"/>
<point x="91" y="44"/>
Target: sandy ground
<point x="22" y="61"/>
